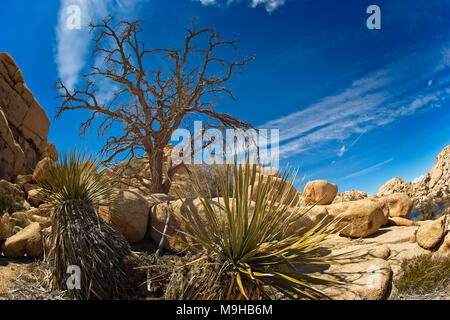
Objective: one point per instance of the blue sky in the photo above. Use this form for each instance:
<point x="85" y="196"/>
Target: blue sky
<point x="354" y="106"/>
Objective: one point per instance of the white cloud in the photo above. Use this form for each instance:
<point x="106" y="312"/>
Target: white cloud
<point x="376" y="99"/>
<point x="368" y="170"/>
<point x="73" y="44"/>
<point x="207" y="2"/>
<point x="270" y="5"/>
<point x="341" y="151"/>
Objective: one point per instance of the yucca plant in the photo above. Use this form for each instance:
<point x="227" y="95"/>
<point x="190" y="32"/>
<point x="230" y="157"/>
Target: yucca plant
<point x="251" y="251"/>
<point x="80" y="237"/>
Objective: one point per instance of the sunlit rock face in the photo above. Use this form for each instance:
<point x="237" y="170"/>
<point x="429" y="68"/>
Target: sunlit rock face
<point x="24" y="125"/>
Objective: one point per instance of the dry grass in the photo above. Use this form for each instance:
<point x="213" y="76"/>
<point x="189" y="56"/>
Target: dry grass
<point x="424" y="274"/>
<point x="28" y="281"/>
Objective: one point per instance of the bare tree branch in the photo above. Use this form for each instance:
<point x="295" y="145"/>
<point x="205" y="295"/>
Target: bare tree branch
<point x="152" y="104"/>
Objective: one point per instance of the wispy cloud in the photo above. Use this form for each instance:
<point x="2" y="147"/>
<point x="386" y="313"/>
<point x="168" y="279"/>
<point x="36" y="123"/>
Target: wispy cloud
<point x="368" y="170"/>
<point x="73" y="43"/>
<point x="396" y="90"/>
<point x="270" y="5"/>
<point x="341" y="152"/>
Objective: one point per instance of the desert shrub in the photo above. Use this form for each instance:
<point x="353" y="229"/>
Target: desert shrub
<point x="423" y="274"/>
<point x="80" y="237"/>
<point x="246" y="252"/>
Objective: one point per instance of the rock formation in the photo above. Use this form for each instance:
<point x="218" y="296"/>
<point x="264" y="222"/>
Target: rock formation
<point x="352" y="195"/>
<point x="434" y="187"/>
<point x="24" y="125"/>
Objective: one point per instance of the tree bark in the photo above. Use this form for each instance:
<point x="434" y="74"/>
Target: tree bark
<point x="156" y="170"/>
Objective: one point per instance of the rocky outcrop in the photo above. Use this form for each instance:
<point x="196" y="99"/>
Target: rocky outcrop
<point x="319" y="192"/>
<point x="352" y="195"/>
<point x="24" y="125"/>
<point x="395" y="185"/>
<point x="434" y="186"/>
<point x="372" y="277"/>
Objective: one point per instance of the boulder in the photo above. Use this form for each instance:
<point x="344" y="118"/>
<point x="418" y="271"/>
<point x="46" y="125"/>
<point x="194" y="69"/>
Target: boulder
<point x="176" y="231"/>
<point x="129" y="215"/>
<point x="30" y="186"/>
<point x="41" y="167"/>
<point x="51" y="151"/>
<point x="381" y="252"/>
<point x="23" y="179"/>
<point x="431" y="233"/>
<point x="308" y="217"/>
<point x="399" y="221"/>
<point x="358" y="218"/>
<point x="293" y="196"/>
<point x="444" y="248"/>
<point x="44" y="222"/>
<point x="27" y="241"/>
<point x="319" y="192"/>
<point x="34" y="197"/>
<point x="158" y="198"/>
<point x="397" y="205"/>
<point x="21" y="219"/>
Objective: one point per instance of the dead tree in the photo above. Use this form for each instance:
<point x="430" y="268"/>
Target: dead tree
<point x="151" y="104"/>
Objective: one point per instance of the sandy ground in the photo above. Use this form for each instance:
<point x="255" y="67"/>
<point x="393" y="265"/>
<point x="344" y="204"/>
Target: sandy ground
<point x="11" y="270"/>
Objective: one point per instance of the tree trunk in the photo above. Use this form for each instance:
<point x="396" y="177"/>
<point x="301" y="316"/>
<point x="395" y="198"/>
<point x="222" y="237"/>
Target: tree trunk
<point x="156" y="170"/>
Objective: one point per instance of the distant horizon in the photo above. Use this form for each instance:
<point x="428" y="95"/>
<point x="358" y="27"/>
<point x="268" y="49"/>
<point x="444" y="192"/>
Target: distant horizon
<point x="354" y="106"/>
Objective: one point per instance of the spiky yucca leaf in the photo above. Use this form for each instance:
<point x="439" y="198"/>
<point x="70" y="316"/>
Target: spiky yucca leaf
<point x="75" y="176"/>
<point x="253" y="242"/>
